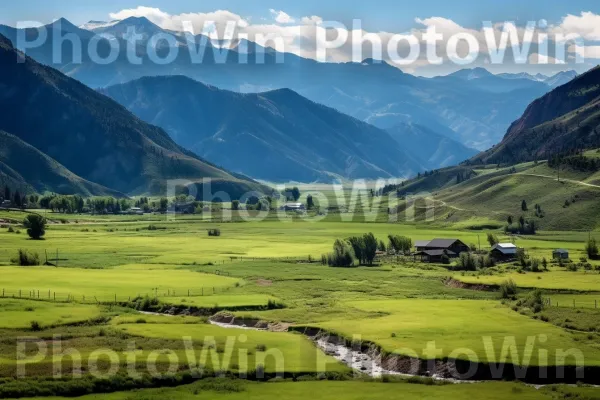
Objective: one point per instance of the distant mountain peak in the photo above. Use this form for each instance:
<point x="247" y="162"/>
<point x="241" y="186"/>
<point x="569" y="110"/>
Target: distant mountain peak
<point x="5" y="43"/>
<point x="472" y="73"/>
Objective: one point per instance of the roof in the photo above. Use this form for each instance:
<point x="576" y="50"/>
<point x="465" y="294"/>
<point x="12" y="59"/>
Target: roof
<point x="422" y="243"/>
<point x="505" y="248"/>
<point x="561" y="251"/>
<point x="506" y="245"/>
<point x="442" y="243"/>
<point x="434" y="253"/>
<point x="294" y="204"/>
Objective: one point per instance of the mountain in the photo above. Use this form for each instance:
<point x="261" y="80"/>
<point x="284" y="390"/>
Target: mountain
<point x="437" y="150"/>
<point x="277" y="135"/>
<point x="120" y="29"/>
<point x="93" y="136"/>
<point x="565" y="119"/>
<point x="23" y="166"/>
<point x="475" y="112"/>
<point x="560" y="79"/>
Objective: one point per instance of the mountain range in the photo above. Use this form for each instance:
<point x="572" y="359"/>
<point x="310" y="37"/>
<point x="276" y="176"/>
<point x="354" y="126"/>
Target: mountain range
<point x="474" y="112"/>
<point x="77" y="136"/>
<point x="567" y="118"/>
<point x="277" y="135"/>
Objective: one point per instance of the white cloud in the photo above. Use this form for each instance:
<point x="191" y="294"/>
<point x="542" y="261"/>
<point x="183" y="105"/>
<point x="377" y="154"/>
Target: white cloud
<point x="587" y="24"/>
<point x="536" y="58"/>
<point x="299" y="36"/>
<point x="281" y="17"/>
<point x="312" y="20"/>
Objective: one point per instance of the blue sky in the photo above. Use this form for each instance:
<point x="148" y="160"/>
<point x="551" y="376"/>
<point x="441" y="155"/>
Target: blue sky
<point x="390" y="15"/>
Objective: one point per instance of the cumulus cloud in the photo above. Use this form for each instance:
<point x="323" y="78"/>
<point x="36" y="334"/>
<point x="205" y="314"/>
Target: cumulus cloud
<point x="302" y="36"/>
<point x="281" y="17"/>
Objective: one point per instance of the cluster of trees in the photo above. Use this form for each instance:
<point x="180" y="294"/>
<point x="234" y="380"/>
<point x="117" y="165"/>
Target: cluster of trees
<point x="17" y="199"/>
<point x="473" y="262"/>
<point x="292" y="194"/>
<point x="349" y="252"/>
<point x="400" y="244"/>
<point x="576" y="161"/>
<point x="522" y="227"/>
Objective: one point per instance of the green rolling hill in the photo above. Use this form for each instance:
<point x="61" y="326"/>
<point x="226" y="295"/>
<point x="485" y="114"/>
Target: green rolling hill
<point x="93" y="136"/>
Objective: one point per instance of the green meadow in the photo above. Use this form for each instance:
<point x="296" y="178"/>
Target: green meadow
<point x="271" y="271"/>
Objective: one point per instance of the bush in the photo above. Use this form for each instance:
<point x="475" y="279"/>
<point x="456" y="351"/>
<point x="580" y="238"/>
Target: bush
<point x="27" y="259"/>
<point x="11" y="229"/>
<point x="342" y="256"/>
<point x="35" y="326"/>
<point x="508" y="289"/>
<point x="36" y="226"/>
<point x="591" y="248"/>
<point x="214" y="232"/>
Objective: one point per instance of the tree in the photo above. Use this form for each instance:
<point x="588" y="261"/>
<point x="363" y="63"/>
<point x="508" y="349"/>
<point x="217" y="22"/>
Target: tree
<point x="7" y="194"/>
<point x="492" y="239"/>
<point x="400" y="244"/>
<point x="509" y="220"/>
<point x="370" y="251"/>
<point x="164" y="203"/>
<point x="524" y="205"/>
<point x="310" y="203"/>
<point x="36" y="226"/>
<point x="235" y="205"/>
<point x="17" y="199"/>
<point x="591" y="248"/>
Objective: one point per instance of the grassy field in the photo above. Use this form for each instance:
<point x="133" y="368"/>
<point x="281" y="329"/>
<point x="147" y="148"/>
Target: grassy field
<point x="398" y="304"/>
<point x="409" y="325"/>
<point x="333" y="390"/>
<point x="104" y="284"/>
<point x="555" y="280"/>
<point x="276" y="351"/>
<point x="20" y="313"/>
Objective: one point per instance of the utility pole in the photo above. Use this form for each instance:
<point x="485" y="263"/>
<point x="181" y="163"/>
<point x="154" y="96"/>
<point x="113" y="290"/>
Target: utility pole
<point x="479" y="242"/>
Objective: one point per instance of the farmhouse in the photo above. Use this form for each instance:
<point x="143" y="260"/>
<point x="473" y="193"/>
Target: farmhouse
<point x="504" y="251"/>
<point x="560" y="254"/>
<point x="435" y="250"/>
<point x="135" y="211"/>
<point x="294" y="207"/>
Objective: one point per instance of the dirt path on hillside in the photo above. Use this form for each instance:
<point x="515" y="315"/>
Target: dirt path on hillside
<point x="562" y="180"/>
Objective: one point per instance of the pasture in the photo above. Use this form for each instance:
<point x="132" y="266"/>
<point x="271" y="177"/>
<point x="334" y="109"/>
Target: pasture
<point x="584" y="281"/>
<point x="466" y="329"/>
<point x="398" y="303"/>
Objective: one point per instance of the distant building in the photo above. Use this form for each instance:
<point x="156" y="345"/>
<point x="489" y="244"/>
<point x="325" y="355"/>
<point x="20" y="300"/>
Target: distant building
<point x="5" y="204"/>
<point x="560" y="254"/>
<point x="504" y="251"/>
<point x="294" y="207"/>
<point x="434" y="250"/>
<point x="135" y="211"/>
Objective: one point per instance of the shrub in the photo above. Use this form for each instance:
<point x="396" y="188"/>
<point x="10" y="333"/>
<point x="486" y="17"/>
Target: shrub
<point x="342" y="256"/>
<point x="591" y="248"/>
<point x="27" y="259"/>
<point x="36" y="226"/>
<point x="35" y="326"/>
<point x="11" y="229"/>
<point x="214" y="232"/>
<point x="261" y="347"/>
<point x="508" y="289"/>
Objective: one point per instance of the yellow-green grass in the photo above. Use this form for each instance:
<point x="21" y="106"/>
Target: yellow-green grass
<point x="20" y="313"/>
<point x="327" y="390"/>
<point x="104" y="284"/>
<point x="575" y="300"/>
<point x="482" y="327"/>
<point x="221" y="301"/>
<point x="283" y="352"/>
<point x="141" y="318"/>
<point x="186" y="241"/>
<point x="553" y="280"/>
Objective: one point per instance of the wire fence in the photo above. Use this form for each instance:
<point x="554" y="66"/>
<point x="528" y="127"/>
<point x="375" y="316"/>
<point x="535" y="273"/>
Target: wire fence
<point x="104" y="298"/>
<point x="572" y="303"/>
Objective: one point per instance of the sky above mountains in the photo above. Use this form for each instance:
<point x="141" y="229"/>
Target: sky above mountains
<point x="298" y="22"/>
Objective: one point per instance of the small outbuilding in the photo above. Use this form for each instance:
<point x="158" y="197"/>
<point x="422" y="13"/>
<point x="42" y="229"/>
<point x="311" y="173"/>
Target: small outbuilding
<point x="560" y="254"/>
<point x="294" y="207"/>
<point x="504" y="251"/>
